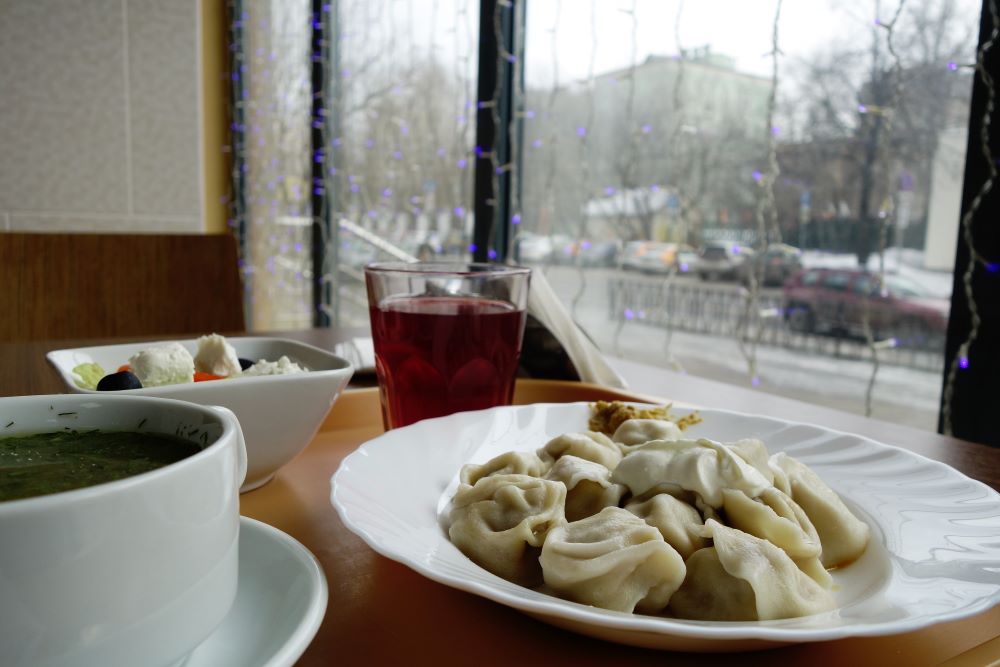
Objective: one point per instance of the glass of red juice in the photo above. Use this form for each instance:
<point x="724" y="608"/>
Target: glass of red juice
<point x="447" y="336"/>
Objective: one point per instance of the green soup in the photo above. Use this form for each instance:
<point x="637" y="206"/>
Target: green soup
<point x="43" y="463"/>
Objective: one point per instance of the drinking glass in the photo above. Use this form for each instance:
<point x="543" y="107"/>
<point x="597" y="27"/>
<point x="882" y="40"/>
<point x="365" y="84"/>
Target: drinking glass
<point x="447" y="336"/>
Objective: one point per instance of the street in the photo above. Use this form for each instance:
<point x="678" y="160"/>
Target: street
<point x="900" y="394"/>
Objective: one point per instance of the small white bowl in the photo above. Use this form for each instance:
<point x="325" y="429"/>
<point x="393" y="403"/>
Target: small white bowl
<point x="279" y="414"/>
<point x="137" y="571"/>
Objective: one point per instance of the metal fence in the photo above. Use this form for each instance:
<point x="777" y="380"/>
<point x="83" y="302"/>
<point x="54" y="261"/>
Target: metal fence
<point x="720" y="310"/>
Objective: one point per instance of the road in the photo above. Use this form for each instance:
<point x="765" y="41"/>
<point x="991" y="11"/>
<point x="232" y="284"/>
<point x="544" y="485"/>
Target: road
<point x="902" y="395"/>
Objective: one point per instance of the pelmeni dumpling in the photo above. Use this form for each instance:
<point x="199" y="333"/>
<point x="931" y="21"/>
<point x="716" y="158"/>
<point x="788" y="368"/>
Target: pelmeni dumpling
<point x="777" y="587"/>
<point x="679" y="523"/>
<point x="502" y="521"/>
<point x="613" y="560"/>
<point x="754" y="452"/>
<point x="508" y="463"/>
<point x="813" y="567"/>
<point x="634" y="432"/>
<point x="589" y="445"/>
<point x="589" y="488"/>
<point x="842" y="535"/>
<point x="775" y="517"/>
<point x="702" y="466"/>
<point x="709" y="593"/>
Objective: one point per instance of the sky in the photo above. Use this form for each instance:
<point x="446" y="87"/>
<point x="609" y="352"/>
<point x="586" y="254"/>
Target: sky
<point x="744" y="32"/>
<point x="600" y="35"/>
<point x="739" y="28"/>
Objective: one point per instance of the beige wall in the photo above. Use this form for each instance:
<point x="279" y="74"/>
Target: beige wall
<point x="102" y="115"/>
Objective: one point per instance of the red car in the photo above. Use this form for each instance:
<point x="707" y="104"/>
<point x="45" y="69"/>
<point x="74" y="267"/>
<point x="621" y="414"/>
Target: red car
<point x="834" y="301"/>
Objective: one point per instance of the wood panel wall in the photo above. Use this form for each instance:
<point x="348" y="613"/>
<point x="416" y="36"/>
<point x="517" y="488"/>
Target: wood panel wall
<point x="59" y="286"/>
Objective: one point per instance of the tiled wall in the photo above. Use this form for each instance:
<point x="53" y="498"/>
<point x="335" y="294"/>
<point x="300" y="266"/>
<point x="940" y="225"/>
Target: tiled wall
<point x="100" y="116"/>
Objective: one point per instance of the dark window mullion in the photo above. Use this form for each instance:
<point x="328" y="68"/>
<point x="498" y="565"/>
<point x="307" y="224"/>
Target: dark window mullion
<point x="319" y="199"/>
<point x="492" y="209"/>
<point x="975" y="402"/>
<point x="238" y="92"/>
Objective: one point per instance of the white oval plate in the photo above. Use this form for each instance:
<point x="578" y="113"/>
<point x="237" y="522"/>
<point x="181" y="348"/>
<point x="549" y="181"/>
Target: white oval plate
<point x="934" y="555"/>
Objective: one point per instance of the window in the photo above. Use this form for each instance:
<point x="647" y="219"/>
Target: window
<point x="864" y="286"/>
<point x="381" y="169"/>
<point x="833" y="140"/>
<point x="900" y="286"/>
<point x="836" y="281"/>
<point x="833" y="133"/>
<point x="714" y="252"/>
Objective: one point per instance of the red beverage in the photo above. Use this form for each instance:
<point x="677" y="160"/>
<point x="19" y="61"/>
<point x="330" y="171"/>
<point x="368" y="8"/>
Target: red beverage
<point x="439" y="355"/>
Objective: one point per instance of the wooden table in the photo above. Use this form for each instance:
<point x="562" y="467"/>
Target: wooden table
<point x="381" y="612"/>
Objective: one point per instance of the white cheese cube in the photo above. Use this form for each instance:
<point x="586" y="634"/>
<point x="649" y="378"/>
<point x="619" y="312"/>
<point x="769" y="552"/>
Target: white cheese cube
<point x="217" y="356"/>
<point x="158" y="365"/>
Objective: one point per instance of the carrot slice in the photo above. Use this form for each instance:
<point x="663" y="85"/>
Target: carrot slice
<point x="200" y="376"/>
<point x="124" y="367"/>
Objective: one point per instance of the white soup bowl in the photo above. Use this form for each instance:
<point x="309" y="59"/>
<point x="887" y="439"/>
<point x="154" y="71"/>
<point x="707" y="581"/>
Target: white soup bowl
<point x="137" y="571"/>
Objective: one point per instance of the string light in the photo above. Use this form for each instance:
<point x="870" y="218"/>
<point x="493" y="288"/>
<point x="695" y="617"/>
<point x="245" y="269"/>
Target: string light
<point x="881" y="157"/>
<point x="767" y="219"/>
<point x="266" y="201"/>
<point x="584" y="146"/>
<point x="554" y="89"/>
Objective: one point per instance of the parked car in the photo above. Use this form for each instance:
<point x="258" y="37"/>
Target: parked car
<point x="598" y="253"/>
<point x="585" y="252"/>
<point x="563" y="250"/>
<point x="532" y="248"/>
<point x="834" y="301"/>
<point x="723" y="260"/>
<point x="776" y="264"/>
<point x="687" y="260"/>
<point x="652" y="256"/>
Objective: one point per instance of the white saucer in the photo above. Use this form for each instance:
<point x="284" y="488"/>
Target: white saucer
<point x="280" y="602"/>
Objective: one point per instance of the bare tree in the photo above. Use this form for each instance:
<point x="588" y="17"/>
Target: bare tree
<point x="868" y="117"/>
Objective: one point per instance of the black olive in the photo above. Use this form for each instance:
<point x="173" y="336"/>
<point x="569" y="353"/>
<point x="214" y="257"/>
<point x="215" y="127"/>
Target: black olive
<point x="118" y="381"/>
<point x="245" y="363"/>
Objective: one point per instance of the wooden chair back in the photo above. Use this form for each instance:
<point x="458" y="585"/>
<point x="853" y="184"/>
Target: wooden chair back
<point x="61" y="286"/>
